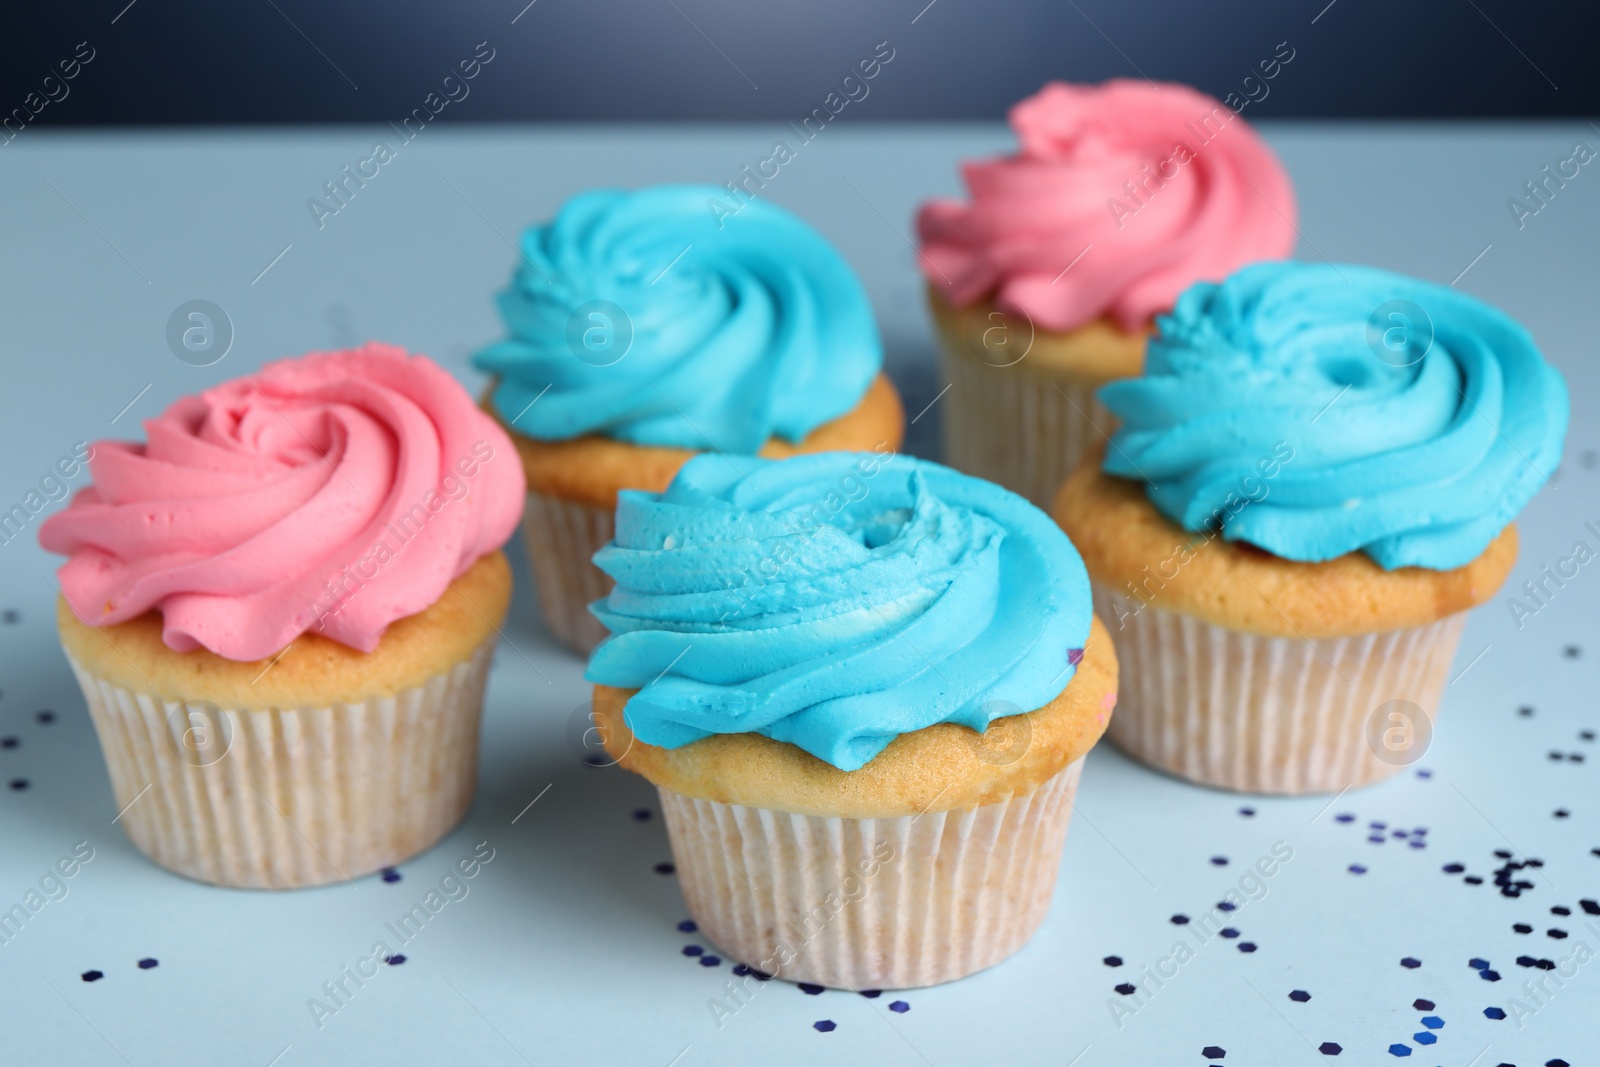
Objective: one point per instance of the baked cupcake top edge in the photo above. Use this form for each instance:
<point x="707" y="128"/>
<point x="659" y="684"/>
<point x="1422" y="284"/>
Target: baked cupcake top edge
<point x="1118" y="197"/>
<point x="332" y="493"/>
<point x="834" y="601"/>
<point x="1313" y="410"/>
<point x="665" y="317"/>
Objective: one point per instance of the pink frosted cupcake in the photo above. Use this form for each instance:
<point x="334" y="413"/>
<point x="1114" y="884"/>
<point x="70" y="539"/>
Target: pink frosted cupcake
<point x="281" y="610"/>
<point x="1045" y="283"/>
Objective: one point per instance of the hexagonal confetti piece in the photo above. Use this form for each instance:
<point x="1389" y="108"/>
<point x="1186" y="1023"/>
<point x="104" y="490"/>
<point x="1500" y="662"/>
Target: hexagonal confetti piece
<point x="1424" y="1037"/>
<point x="1521" y="928"/>
<point x="1494" y="1013"/>
<point x="1356" y="868"/>
<point x="899" y="1006"/>
<point x="1229" y="932"/>
<point x="92" y="976"/>
<point x="1411" y="963"/>
<point x="871" y="994"/>
<point x="709" y="961"/>
<point x="1398" y="1049"/>
<point x="1112" y="961"/>
<point x="810" y="989"/>
<point x="1478" y="964"/>
<point x="396" y="960"/>
<point x="1330" y="1048"/>
<point x="1179" y="920"/>
<point x="693" y="950"/>
<point x="1299" y="996"/>
<point x="1422" y="1005"/>
<point x="1489" y="975"/>
<point x="1212" y="1052"/>
<point x="688" y="926"/>
<point x="824" y="1026"/>
<point x="1433" y="1022"/>
<point x="1247" y="946"/>
<point x="1127" y="989"/>
<point x="147" y="963"/>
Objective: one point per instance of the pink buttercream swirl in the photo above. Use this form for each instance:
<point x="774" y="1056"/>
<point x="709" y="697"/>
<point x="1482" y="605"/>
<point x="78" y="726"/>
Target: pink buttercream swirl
<point x="1162" y="185"/>
<point x="335" y="493"/>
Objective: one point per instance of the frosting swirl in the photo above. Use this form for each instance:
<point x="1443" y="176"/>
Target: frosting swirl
<point x="1420" y="420"/>
<point x="835" y="601"/>
<point x="336" y="492"/>
<point x="1154" y="186"/>
<point x="652" y="318"/>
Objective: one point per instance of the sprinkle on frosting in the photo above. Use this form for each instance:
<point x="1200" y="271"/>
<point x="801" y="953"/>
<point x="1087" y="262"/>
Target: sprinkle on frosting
<point x="1420" y="420"/>
<point x="835" y="601"/>
<point x="1119" y="197"/>
<point x="646" y="317"/>
<point x="333" y="493"/>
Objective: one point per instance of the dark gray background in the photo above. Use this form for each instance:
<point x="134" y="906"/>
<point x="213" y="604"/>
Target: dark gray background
<point x="299" y="61"/>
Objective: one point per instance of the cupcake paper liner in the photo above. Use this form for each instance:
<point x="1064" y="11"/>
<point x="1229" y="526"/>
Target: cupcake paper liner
<point x="1024" y="429"/>
<point x="890" y="903"/>
<point x="1261" y="714"/>
<point x="562" y="537"/>
<point x="281" y="798"/>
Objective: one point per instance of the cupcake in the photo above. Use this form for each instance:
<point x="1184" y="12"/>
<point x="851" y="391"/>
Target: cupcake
<point x="1043" y="287"/>
<point x="1313" y="482"/>
<point x="281" y="610"/>
<point x="864" y="687"/>
<point x="646" y="327"/>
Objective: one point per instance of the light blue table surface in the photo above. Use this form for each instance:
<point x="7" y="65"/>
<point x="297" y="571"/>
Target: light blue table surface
<point x="567" y="948"/>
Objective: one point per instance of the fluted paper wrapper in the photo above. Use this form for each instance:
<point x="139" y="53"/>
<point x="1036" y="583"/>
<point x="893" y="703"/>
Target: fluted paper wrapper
<point x="1268" y="714"/>
<point x="562" y="537"/>
<point x="1024" y="429"/>
<point x="277" y="799"/>
<point x="889" y="903"/>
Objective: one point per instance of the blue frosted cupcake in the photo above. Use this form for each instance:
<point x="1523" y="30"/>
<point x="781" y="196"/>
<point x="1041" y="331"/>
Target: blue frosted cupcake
<point x="864" y="687"/>
<point x="1314" y="480"/>
<point x="642" y="329"/>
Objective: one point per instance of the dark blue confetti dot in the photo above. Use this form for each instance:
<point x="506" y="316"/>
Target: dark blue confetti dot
<point x="92" y="976"/>
<point x="743" y="969"/>
<point x="1585" y="735"/>
<point x="1417" y="843"/>
<point x="1247" y="946"/>
<point x="1247" y="812"/>
<point x="1180" y="920"/>
<point x="396" y="960"/>
<point x="1356" y="868"/>
<point x="1299" y="996"/>
<point x="1473" y="879"/>
<point x="1502" y="853"/>
<point x="46" y="717"/>
<point x="1398" y="833"/>
<point x="810" y="989"/>
<point x="1424" y="773"/>
<point x="1557" y="934"/>
<point x="709" y="961"/>
<point x="1527" y="961"/>
<point x="1398" y="1049"/>
<point x="1127" y="989"/>
<point x="1376" y="839"/>
<point x="1525" y="711"/>
<point x="390" y="875"/>
<point x="1330" y="1048"/>
<point x="1423" y="1037"/>
<point x="1560" y="909"/>
<point x="1411" y="963"/>
<point x="1376" y="825"/>
<point x="1112" y="961"/>
<point x="9" y="742"/>
<point x="664" y="868"/>
<point x="693" y="950"/>
<point x="1556" y="1063"/>
<point x="1590" y="907"/>
<point x="899" y="1007"/>
<point x="1546" y="965"/>
<point x="1494" y="1013"/>
<point x="688" y="926"/>
<point x="1453" y="868"/>
<point x="1344" y="818"/>
<point x="1423" y="1005"/>
<point x="641" y="814"/>
<point x="1561" y="813"/>
<point x="1478" y="964"/>
<point x="872" y="994"/>
<point x="19" y="784"/>
<point x="825" y="1026"/>
<point x="148" y="962"/>
<point x="1226" y="905"/>
<point x="1212" y="1052"/>
<point x="1432" y="1022"/>
<point x="1228" y="932"/>
<point x="1219" y="861"/>
<point x="1489" y="975"/>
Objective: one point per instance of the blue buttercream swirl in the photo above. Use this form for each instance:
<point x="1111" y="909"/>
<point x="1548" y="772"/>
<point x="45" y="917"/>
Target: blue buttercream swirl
<point x="645" y="317"/>
<point x="1420" y="419"/>
<point x="834" y="601"/>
